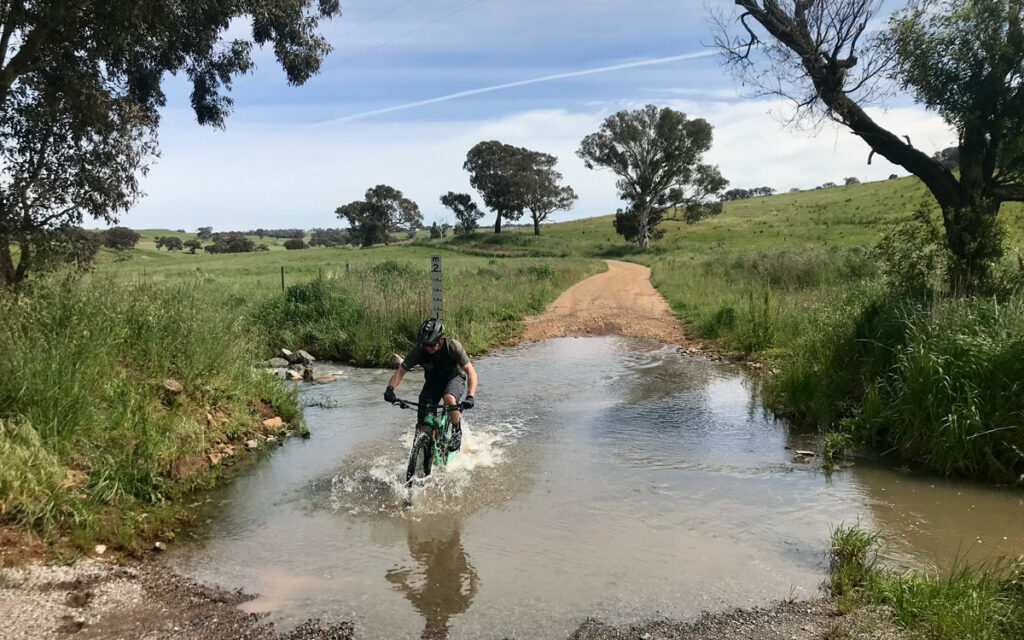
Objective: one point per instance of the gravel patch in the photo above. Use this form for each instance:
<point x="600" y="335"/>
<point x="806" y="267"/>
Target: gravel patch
<point x="147" y="601"/>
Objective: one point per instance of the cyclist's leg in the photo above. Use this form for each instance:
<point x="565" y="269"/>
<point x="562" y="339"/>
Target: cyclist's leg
<point x="455" y="392"/>
<point x="430" y="394"/>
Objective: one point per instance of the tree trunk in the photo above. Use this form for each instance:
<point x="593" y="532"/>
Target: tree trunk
<point x="642" y="236"/>
<point x="7" y="273"/>
<point x="497" y="223"/>
<point x="536" y="226"/>
<point x="974" y="241"/>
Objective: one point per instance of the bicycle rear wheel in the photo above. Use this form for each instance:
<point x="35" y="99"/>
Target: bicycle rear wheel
<point x="420" y="458"/>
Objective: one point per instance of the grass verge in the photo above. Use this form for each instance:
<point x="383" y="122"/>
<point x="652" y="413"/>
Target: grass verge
<point x="95" y="443"/>
<point x="981" y="602"/>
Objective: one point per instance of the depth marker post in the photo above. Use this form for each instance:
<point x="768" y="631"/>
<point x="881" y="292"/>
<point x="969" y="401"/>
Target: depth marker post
<point x="435" y="285"/>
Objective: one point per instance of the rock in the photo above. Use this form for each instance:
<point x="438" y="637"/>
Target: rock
<point x="100" y="549"/>
<point x="801" y="452"/>
<point x="273" y="422"/>
<point x="292" y="374"/>
<point x="159" y="546"/>
<point x="271" y="439"/>
<point x="304" y="356"/>
<point x="277" y="363"/>
<point x="173" y="386"/>
<point x="307" y="373"/>
<point x="74" y="478"/>
<point x="287" y="355"/>
<point x="251" y="444"/>
<point x="214" y="458"/>
<point x="396" y="360"/>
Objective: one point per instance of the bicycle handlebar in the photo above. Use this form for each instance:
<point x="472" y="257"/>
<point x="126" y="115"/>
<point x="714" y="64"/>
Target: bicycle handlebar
<point x="405" y="404"/>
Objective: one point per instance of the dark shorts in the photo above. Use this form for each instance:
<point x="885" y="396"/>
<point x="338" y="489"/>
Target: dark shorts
<point x="433" y="391"/>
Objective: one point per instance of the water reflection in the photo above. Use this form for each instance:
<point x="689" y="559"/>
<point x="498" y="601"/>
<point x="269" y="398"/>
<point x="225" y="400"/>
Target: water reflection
<point x="443" y="581"/>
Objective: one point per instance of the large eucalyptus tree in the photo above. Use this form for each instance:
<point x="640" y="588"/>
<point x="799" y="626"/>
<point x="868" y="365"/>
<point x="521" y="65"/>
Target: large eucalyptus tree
<point x="81" y="87"/>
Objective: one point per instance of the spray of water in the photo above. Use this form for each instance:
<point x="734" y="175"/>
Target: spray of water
<point x="375" y="484"/>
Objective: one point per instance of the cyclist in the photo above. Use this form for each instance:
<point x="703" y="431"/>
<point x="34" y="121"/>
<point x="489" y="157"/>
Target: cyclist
<point x="449" y="374"/>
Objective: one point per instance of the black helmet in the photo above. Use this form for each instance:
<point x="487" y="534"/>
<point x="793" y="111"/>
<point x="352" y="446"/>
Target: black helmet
<point x="430" y="331"/>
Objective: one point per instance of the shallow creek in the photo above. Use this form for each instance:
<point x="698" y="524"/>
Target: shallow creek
<point x="606" y="477"/>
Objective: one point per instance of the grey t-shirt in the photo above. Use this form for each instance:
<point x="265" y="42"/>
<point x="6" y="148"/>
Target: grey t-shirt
<point x="441" y="365"/>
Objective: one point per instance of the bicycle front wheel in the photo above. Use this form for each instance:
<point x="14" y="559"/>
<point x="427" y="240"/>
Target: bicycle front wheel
<point x="420" y="458"/>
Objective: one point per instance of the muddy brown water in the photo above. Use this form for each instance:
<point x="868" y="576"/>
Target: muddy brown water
<point x="608" y="477"/>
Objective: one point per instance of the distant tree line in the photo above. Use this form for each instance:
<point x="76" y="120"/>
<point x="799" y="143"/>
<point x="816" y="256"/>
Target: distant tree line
<point x="276" y="233"/>
<point x="743" y="194"/>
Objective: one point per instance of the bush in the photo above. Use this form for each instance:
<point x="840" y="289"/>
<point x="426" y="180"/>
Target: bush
<point x="912" y="254"/>
<point x="232" y="242"/>
<point x="294" y="243"/>
<point x="120" y="238"/>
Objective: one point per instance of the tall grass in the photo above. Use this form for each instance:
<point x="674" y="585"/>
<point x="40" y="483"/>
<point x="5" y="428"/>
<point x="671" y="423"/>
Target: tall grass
<point x="936" y="381"/>
<point x="88" y="432"/>
<point x="374" y="311"/>
<point x="981" y="602"/>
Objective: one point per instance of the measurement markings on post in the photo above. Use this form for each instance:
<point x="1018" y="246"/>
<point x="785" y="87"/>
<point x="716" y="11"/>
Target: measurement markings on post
<point x="435" y="285"/>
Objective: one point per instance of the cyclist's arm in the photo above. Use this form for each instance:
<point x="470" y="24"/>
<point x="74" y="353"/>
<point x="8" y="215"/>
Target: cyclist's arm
<point x="470" y="378"/>
<point x="396" y="377"/>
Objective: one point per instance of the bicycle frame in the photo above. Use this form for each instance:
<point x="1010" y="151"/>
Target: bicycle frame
<point x="436" y="423"/>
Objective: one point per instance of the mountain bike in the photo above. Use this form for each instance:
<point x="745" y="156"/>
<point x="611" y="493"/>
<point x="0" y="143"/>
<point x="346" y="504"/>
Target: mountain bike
<point x="435" y="443"/>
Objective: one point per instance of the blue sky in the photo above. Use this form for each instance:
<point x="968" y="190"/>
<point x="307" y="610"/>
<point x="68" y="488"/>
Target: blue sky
<point x="291" y="155"/>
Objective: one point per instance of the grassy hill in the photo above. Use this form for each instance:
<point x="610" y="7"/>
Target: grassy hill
<point x="822" y="218"/>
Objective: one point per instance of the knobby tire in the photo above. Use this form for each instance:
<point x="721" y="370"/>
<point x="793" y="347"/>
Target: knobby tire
<point x="420" y="458"/>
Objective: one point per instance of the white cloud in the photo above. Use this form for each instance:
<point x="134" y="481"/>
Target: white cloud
<point x="259" y="174"/>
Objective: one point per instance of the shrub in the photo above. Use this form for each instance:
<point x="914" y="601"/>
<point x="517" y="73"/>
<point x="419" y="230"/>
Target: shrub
<point x="120" y="238"/>
<point x="911" y="254"/>
<point x="294" y="243"/>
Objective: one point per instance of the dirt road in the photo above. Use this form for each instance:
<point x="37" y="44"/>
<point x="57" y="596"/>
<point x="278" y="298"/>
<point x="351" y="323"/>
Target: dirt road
<point x="620" y="301"/>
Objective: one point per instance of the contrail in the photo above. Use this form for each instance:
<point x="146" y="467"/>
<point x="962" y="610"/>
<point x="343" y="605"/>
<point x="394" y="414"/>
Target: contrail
<point x="520" y="83"/>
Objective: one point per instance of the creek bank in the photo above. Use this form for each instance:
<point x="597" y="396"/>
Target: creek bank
<point x="145" y="599"/>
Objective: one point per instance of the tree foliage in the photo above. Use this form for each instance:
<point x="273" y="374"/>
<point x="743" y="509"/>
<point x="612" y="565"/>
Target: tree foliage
<point x="465" y="210"/>
<point x="67" y="246"/>
<point x="961" y="58"/>
<point x="382" y="212"/>
<point x="743" y="194"/>
<point x="171" y="243"/>
<point x="328" y="238"/>
<point x="656" y="154"/>
<point x="543" y="193"/>
<point x="204" y="233"/>
<point x="232" y="242"/>
<point x="81" y="92"/>
<point x="120" y="238"/>
<point x="193" y="244"/>
<point x="497" y="171"/>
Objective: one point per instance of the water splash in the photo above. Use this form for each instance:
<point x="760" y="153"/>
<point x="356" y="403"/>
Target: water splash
<point x="374" y="484"/>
